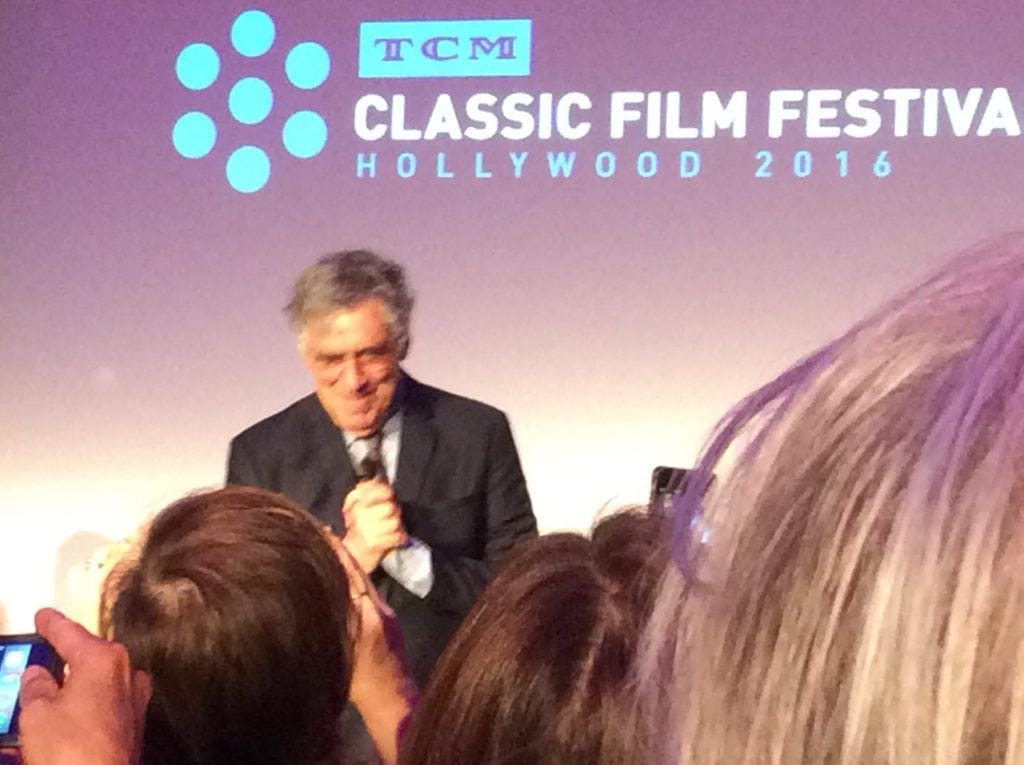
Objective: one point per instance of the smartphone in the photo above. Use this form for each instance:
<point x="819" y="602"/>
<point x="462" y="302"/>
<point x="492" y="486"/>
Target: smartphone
<point x="666" y="483"/>
<point x="17" y="652"/>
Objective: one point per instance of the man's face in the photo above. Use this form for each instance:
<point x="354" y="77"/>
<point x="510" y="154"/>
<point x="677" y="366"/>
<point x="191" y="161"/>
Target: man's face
<point x="352" y="358"/>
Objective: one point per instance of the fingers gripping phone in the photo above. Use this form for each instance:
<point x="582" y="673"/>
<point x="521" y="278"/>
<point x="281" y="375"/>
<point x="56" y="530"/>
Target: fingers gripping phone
<point x="17" y="652"/>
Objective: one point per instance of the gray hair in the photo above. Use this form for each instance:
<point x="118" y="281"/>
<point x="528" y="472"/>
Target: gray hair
<point x="860" y="597"/>
<point x="342" y="279"/>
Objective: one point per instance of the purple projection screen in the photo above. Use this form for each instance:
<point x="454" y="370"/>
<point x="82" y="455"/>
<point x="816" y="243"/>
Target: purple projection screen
<point x="618" y="219"/>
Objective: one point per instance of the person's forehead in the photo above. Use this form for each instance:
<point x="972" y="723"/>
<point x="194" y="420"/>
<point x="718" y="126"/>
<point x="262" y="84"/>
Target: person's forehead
<point x="364" y="322"/>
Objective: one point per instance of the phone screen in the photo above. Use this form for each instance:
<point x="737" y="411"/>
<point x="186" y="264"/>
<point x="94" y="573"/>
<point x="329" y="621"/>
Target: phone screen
<point x="13" y="661"/>
<point x="17" y="652"/>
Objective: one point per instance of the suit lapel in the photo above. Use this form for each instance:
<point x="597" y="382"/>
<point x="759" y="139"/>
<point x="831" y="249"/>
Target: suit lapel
<point x="417" y="446"/>
<point x="333" y="465"/>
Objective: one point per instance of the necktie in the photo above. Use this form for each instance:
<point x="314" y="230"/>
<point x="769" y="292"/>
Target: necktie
<point x="371" y="466"/>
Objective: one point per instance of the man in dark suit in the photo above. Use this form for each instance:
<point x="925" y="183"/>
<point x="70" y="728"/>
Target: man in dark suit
<point x="425" y="485"/>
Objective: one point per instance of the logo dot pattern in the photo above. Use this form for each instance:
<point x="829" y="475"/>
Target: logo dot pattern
<point x="250" y="100"/>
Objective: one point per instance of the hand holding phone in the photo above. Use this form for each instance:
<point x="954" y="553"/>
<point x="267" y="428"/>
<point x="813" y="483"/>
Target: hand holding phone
<point x="17" y="654"/>
<point x="97" y="716"/>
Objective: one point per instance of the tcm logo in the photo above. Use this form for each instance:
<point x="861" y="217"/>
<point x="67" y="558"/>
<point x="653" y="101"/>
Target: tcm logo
<point x="250" y="100"/>
<point x="473" y="48"/>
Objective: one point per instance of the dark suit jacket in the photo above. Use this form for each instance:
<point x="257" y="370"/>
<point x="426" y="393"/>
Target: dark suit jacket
<point x="458" y="482"/>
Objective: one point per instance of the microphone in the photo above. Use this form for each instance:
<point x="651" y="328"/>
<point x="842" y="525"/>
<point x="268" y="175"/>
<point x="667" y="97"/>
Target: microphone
<point x="371" y="466"/>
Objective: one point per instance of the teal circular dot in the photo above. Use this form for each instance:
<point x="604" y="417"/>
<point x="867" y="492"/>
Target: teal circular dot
<point x="250" y="100"/>
<point x="252" y="33"/>
<point x="197" y="66"/>
<point x="307" y="65"/>
<point x="248" y="169"/>
<point x="194" y="135"/>
<point x="304" y="134"/>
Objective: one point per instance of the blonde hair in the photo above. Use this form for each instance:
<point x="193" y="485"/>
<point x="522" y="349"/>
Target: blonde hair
<point x="861" y="595"/>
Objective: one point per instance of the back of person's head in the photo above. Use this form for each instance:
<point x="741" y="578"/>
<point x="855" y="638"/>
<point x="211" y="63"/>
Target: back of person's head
<point x="236" y="605"/>
<point x="538" y="672"/>
<point x="860" y="598"/>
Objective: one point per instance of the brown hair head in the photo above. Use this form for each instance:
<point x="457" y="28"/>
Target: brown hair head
<point x="539" y="671"/>
<point x="236" y="605"/>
